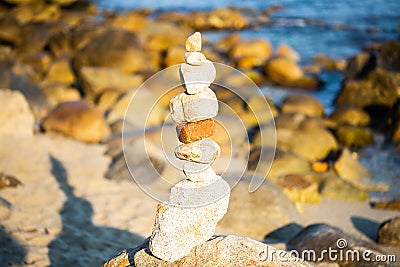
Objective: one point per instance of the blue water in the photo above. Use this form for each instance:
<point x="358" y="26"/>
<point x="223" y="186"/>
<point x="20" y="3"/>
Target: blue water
<point x="290" y="26"/>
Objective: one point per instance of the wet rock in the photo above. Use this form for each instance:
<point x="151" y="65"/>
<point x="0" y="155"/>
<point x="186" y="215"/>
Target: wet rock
<point x="332" y="186"/>
<point x="302" y="103"/>
<point x="95" y="80"/>
<point x="77" y="120"/>
<point x="60" y="70"/>
<point x="389" y="232"/>
<point x="328" y="63"/>
<point x="258" y="213"/>
<point x="256" y="52"/>
<point x="280" y="70"/>
<point x="284" y="50"/>
<point x="15" y="117"/>
<point x="351" y="116"/>
<point x="227" y="251"/>
<point x="319" y="237"/>
<point x="113" y="48"/>
<point x="354" y="137"/>
<point x="220" y="18"/>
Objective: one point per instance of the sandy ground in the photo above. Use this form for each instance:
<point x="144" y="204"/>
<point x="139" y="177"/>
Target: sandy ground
<point x="67" y="214"/>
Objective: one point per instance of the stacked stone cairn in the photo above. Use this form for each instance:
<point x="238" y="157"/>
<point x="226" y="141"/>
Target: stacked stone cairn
<point x="196" y="204"/>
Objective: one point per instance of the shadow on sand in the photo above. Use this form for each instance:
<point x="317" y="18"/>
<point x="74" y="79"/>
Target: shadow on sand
<point x="80" y="242"/>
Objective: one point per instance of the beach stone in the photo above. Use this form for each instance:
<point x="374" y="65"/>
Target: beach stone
<point x="284" y="50"/>
<point x="393" y="123"/>
<point x="219" y="18"/>
<point x="391" y="203"/>
<point x="95" y="80"/>
<point x="179" y="227"/>
<point x="116" y="49"/>
<point x="302" y="103"/>
<point x="59" y="92"/>
<point x="281" y="69"/>
<point x="351" y="116"/>
<point x="328" y="63"/>
<point x="174" y="55"/>
<point x="258" y="213"/>
<point x="229" y="251"/>
<point x="11" y="30"/>
<point x="133" y="20"/>
<point x="202" y="151"/>
<point x="389" y="232"/>
<point x="333" y="186"/>
<point x="225" y="44"/>
<point x="196" y="79"/>
<point x="194" y="58"/>
<point x="193" y="42"/>
<point x="194" y="131"/>
<point x="198" y="172"/>
<point x="77" y="120"/>
<point x="257" y="48"/>
<point x="299" y="189"/>
<point x="295" y="121"/>
<point x="60" y="70"/>
<point x="16" y="118"/>
<point x="319" y="237"/>
<point x="191" y="108"/>
<point x="312" y="143"/>
<point x="389" y="57"/>
<point x="354" y="137"/>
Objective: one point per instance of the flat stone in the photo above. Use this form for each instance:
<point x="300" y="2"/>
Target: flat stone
<point x="180" y="227"/>
<point x="194" y="58"/>
<point x="197" y="78"/>
<point x="191" y="108"/>
<point x="198" y="172"/>
<point x="193" y="42"/>
<point x="202" y="151"/>
<point x="194" y="131"/>
<point x="16" y="118"/>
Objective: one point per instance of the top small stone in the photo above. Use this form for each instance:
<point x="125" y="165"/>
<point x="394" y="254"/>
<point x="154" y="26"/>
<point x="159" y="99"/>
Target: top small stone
<point x="193" y="42"/>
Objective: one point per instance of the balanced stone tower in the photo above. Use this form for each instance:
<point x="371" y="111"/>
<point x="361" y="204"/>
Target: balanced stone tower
<point x="196" y="204"/>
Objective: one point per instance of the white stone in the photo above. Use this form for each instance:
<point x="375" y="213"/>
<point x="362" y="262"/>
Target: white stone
<point x="190" y="220"/>
<point x="198" y="172"/>
<point x="202" y="151"/>
<point x="193" y="42"/>
<point x="191" y="108"/>
<point x="16" y="117"/>
<point x="197" y="78"/>
<point x="194" y="58"/>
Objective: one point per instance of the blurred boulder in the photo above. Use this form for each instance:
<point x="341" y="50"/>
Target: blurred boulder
<point x="353" y="136"/>
<point x="220" y="18"/>
<point x="284" y="50"/>
<point x="10" y="30"/>
<point x="15" y="117"/>
<point x="60" y="70"/>
<point x="77" y="120"/>
<point x="302" y="103"/>
<point x="328" y="63"/>
<point x="349" y="115"/>
<point x="389" y="232"/>
<point x="254" y="52"/>
<point x="281" y="70"/>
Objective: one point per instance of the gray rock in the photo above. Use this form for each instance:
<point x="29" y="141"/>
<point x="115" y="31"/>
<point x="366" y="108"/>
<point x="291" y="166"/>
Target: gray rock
<point x="320" y="237"/>
<point x="189" y="218"/>
<point x="389" y="232"/>
<point x="223" y="251"/>
<point x="15" y="117"/>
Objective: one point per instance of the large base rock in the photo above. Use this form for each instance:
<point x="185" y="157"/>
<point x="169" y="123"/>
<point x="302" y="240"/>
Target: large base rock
<point x="227" y="251"/>
<point x="189" y="219"/>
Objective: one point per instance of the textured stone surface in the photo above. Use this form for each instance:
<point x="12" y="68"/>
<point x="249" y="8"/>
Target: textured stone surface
<point x="197" y="78"/>
<point x="222" y="251"/>
<point x="191" y="108"/>
<point x="194" y="58"/>
<point x="15" y="117"/>
<point x="193" y="42"/>
<point x="198" y="172"/>
<point x="389" y="232"/>
<point x="202" y="151"/>
<point x="191" y="221"/>
<point x="194" y="131"/>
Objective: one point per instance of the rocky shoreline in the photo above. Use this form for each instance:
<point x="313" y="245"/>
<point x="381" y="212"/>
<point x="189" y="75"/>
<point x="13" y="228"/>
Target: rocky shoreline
<point x="67" y="74"/>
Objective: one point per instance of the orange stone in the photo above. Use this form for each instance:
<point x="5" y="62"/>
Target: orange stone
<point x="319" y="166"/>
<point x="194" y="131"/>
